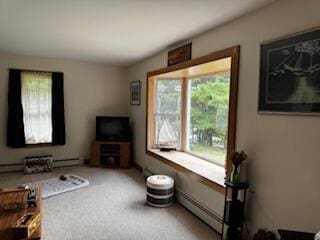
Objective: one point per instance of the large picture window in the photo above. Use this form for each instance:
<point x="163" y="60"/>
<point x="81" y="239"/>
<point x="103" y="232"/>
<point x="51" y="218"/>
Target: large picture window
<point x="193" y="108"/>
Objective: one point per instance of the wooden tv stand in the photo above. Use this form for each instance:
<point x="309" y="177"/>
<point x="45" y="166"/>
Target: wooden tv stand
<point x="110" y="154"/>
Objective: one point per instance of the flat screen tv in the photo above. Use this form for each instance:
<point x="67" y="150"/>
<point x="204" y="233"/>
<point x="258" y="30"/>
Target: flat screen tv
<point x="112" y="129"/>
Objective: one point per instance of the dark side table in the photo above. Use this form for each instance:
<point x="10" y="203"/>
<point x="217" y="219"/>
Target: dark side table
<point x="233" y="215"/>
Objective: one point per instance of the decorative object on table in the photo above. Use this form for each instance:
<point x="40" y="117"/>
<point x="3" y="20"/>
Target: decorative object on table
<point x="237" y="158"/>
<point x="32" y="198"/>
<point x="264" y="235"/>
<point x="180" y="54"/>
<point x="38" y="164"/>
<point x="160" y="191"/>
<point x="135" y="93"/>
<point x="233" y="214"/>
<point x="26" y="225"/>
<point x="290" y="73"/>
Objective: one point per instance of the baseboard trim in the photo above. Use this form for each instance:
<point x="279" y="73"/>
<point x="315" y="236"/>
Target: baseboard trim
<point x="17" y="167"/>
<point x="137" y="166"/>
<point x="7" y="168"/>
<point x="67" y="162"/>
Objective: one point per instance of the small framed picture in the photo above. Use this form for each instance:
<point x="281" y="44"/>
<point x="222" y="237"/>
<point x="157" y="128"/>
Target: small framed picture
<point x="290" y="75"/>
<point x="135" y="93"/>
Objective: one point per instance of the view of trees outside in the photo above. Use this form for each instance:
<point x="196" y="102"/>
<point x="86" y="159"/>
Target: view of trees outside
<point x="208" y="116"/>
<point x="208" y="107"/>
<point x="168" y="112"/>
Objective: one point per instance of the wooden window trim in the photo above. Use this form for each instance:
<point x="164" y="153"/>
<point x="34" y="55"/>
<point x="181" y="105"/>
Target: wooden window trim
<point x="233" y="53"/>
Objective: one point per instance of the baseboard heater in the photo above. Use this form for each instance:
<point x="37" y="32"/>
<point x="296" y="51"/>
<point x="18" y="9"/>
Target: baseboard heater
<point x="16" y="167"/>
<point x="207" y="215"/>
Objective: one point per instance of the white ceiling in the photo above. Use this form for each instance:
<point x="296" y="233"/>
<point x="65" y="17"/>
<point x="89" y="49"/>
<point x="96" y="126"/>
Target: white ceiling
<point x="118" y="32"/>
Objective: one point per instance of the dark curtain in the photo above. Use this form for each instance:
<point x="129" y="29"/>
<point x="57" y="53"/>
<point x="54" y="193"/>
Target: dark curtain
<point x="58" y="124"/>
<point x="15" y="127"/>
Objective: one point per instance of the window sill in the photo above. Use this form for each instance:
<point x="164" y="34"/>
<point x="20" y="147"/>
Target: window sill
<point x="209" y="173"/>
<point x="35" y="145"/>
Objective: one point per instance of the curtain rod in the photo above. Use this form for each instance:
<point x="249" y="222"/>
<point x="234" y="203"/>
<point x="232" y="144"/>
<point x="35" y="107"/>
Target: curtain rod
<point x="31" y="70"/>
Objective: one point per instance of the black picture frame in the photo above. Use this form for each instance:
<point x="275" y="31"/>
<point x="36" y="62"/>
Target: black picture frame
<point x="135" y="93"/>
<point x="290" y="75"/>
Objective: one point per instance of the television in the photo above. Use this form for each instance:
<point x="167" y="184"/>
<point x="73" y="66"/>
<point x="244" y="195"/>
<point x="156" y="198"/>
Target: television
<point x="112" y="128"/>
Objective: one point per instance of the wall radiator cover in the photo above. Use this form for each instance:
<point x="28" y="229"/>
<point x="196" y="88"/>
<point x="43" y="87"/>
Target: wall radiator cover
<point x="16" y="167"/>
<point x="207" y="215"/>
<point x="37" y="164"/>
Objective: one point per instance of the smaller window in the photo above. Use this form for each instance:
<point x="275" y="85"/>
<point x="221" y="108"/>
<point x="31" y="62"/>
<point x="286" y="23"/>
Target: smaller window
<point x="36" y="96"/>
<point x="168" y="113"/>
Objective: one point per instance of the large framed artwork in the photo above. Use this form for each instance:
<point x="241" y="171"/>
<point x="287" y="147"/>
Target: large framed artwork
<point x="290" y="75"/>
<point x="135" y="93"/>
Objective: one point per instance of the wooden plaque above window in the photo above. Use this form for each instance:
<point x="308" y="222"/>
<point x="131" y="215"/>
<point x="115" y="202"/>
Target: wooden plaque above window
<point x="179" y="55"/>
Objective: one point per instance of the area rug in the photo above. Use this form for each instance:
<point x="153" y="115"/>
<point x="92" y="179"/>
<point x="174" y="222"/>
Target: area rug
<point x="55" y="186"/>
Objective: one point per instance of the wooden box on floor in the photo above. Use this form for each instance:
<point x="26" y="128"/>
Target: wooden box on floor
<point x="8" y="218"/>
<point x="110" y="154"/>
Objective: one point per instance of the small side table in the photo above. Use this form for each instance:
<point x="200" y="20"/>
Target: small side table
<point x="233" y="215"/>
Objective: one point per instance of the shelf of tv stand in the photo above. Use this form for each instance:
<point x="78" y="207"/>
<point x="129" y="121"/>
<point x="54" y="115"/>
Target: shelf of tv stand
<point x="124" y="155"/>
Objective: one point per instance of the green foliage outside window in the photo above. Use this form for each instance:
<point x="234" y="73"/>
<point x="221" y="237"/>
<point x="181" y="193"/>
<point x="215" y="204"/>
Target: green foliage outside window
<point x="209" y="116"/>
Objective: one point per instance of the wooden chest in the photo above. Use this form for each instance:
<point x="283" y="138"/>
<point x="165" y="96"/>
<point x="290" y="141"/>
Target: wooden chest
<point x="26" y="225"/>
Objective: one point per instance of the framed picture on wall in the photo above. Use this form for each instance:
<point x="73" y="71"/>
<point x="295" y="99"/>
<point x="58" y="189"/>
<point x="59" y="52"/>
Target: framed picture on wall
<point x="290" y="75"/>
<point x="135" y="95"/>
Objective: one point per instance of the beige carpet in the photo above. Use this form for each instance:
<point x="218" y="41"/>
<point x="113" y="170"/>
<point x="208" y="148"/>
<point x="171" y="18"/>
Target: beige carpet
<point x="112" y="207"/>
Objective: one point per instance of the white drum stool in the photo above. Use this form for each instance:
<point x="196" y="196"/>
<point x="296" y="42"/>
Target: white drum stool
<point x="160" y="191"/>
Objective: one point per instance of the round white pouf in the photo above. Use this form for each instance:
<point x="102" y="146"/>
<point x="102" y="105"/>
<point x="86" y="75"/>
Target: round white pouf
<point x="160" y="191"/>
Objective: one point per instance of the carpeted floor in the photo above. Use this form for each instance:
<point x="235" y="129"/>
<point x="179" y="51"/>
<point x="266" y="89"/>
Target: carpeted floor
<point x="112" y="207"/>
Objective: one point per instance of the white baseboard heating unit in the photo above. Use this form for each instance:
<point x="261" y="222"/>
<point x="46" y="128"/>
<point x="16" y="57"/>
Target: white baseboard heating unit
<point x="38" y="164"/>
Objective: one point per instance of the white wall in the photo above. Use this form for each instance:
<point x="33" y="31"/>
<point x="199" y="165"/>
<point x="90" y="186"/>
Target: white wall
<point x="284" y="160"/>
<point x="89" y="90"/>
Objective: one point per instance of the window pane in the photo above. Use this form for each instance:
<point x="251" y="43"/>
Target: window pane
<point x="168" y="96"/>
<point x="37" y="106"/>
<point x="168" y="113"/>
<point x="208" y="106"/>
